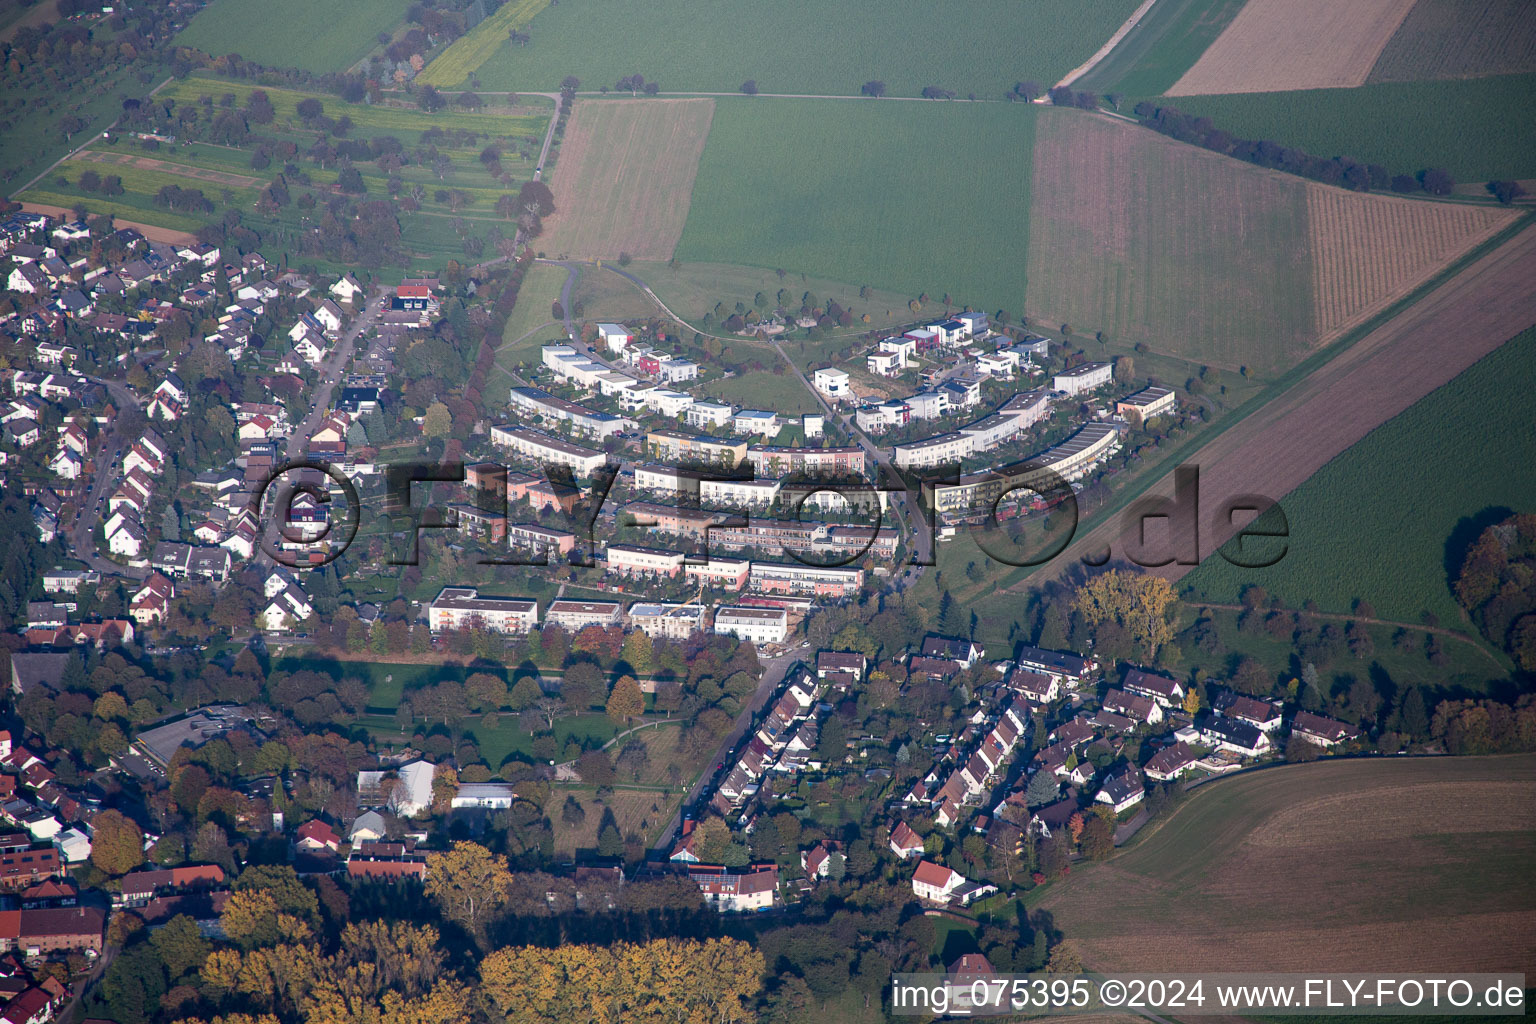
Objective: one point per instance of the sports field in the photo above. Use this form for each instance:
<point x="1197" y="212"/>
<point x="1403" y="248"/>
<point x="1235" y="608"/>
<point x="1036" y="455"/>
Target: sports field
<point x="1407" y="862"/>
<point x="1376" y="521"/>
<point x="912" y="197"/>
<point x="1149" y="240"/>
<point x="1162" y="46"/>
<point x="1474" y="128"/>
<point x="625" y="176"/>
<point x="315" y="35"/>
<point x="1459" y="39"/>
<point x="1281" y="45"/>
<point x="820" y="47"/>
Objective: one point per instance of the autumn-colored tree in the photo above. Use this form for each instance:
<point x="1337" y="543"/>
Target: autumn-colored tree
<point x="437" y="421"/>
<point x="468" y="882"/>
<point x="1064" y="959"/>
<point x="1075" y="826"/>
<point x="117" y="844"/>
<point x="525" y="694"/>
<point x="1192" y="701"/>
<point x="626" y="702"/>
<point x="445" y="786"/>
<point x="639" y="652"/>
<point x="487" y="691"/>
<point x="1136" y="602"/>
<point x="1098" y="838"/>
<point x="711" y="837"/>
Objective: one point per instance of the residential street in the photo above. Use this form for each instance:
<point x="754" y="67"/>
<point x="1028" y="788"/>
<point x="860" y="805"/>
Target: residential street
<point x="773" y="675"/>
<point x="331" y="371"/>
<point x="82" y="541"/>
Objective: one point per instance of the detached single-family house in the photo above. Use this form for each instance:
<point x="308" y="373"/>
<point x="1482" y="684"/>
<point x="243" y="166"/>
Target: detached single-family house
<point x="1122" y="790"/>
<point x="935" y="883"/>
<point x="905" y="842"/>
<point x="1321" y="730"/>
<point x="1170" y="762"/>
<point x="1166" y="691"/>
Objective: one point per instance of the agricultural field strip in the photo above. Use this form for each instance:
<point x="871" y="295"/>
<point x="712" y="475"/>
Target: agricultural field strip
<point x="466" y="54"/>
<point x="1178" y="249"/>
<point x="1218" y="872"/>
<point x="1163" y="45"/>
<point x="1369" y="249"/>
<point x="633" y="167"/>
<point x="1282" y="45"/>
<point x="1276" y="448"/>
<point x="317" y="37"/>
<point x="1458" y="38"/>
<point x="1374" y="523"/>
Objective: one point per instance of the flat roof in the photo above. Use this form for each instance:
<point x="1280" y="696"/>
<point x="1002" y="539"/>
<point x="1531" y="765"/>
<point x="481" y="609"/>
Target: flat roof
<point x="751" y="614"/>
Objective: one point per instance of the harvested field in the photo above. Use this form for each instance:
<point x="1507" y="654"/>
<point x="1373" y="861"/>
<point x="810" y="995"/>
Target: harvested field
<point x="625" y="177"/>
<point x="153" y="232"/>
<point x="1369" y="249"/>
<point x="1198" y="255"/>
<point x="146" y="163"/>
<point x="1281" y="45"/>
<point x="1211" y="886"/>
<point x="1460" y="39"/>
<point x="1274" y="450"/>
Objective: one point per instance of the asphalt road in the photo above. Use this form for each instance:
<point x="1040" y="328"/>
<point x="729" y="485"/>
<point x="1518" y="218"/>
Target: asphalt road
<point x="331" y="370"/>
<point x="92" y="508"/>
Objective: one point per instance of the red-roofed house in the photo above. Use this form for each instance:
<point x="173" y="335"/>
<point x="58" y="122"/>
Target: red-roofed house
<point x="317" y="835"/>
<point x="905" y="842"/>
<point x="934" y="882"/>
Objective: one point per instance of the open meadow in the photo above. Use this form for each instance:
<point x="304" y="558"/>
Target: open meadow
<point x="1368" y="865"/>
<point x="1163" y="45"/>
<point x="1475" y="128"/>
<point x="1280" y="45"/>
<point x="315" y="35"/>
<point x="1377" y="521"/>
<point x="1459" y="39"/>
<point x="872" y="192"/>
<point x="625" y="176"/>
<point x="820" y="47"/>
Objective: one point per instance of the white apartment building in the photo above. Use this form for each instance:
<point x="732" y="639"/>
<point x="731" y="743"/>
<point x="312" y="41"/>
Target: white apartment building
<point x="758" y="625"/>
<point x="752" y="493"/>
<point x="708" y="415"/>
<point x="615" y="336"/>
<point x="1083" y="378"/>
<point x="576" y="615"/>
<point x="1145" y="404"/>
<point x="667" y="621"/>
<point x="633" y="560"/>
<point x="939" y="450"/>
<point x="725" y="573"/>
<point x="537" y="446"/>
<point x="463" y="607"/>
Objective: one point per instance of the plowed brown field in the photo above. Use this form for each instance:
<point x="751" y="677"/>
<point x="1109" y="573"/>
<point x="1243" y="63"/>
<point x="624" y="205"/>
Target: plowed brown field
<point x="625" y="176"/>
<point x="1280" y="45"/>
<point x="1439" y="890"/>
<point x="1369" y="249"/>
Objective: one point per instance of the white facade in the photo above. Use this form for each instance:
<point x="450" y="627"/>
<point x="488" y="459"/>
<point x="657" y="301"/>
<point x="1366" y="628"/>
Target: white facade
<point x="707" y="415"/>
<point x="1084" y="378"/>
<point x="615" y="336"/>
<point x="831" y="382"/>
<point x="461" y="607"/>
<point x="759" y="625"/>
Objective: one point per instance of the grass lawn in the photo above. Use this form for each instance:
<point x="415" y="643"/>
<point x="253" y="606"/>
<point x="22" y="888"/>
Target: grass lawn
<point x="330" y="35"/>
<point x="540" y="288"/>
<point x="1474" y="127"/>
<point x="1388" y="518"/>
<point x="1407" y="860"/>
<point x="820" y="47"/>
<point x="1163" y="45"/>
<point x="692" y="289"/>
<point x="634" y="810"/>
<point x="870" y="192"/>
<point x="777" y="392"/>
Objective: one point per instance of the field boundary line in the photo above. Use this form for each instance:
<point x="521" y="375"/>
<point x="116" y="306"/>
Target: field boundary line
<point x="1108" y="48"/>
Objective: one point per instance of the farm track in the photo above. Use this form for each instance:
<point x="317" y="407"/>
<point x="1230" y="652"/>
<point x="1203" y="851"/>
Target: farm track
<point x="1282" y="443"/>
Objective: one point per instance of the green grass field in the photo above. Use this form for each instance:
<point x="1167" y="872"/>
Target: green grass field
<point x="1475" y="128"/>
<point x="32" y="109"/>
<point x="1163" y="45"/>
<point x="909" y="197"/>
<point x="474" y="48"/>
<point x="1407" y="861"/>
<point x="781" y="393"/>
<point x="1375" y="522"/>
<point x="329" y="35"/>
<point x="830" y="47"/>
